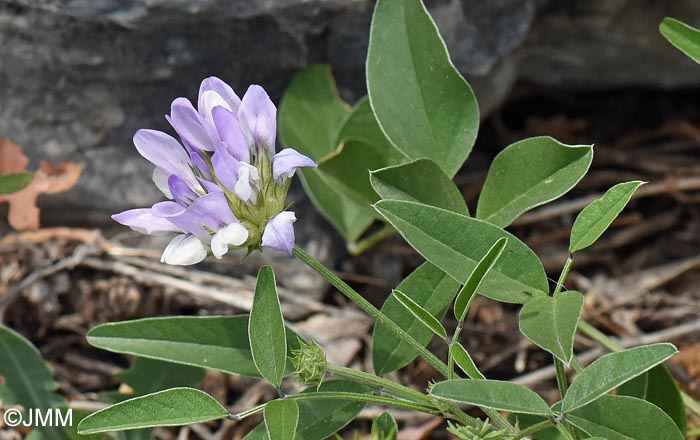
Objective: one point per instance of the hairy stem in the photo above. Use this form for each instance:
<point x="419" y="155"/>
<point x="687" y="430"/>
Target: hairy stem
<point x="372" y="311"/>
<point x="562" y="381"/>
<point x="564" y="431"/>
<point x="391" y="387"/>
<point x="563" y="275"/>
<point x="381" y="318"/>
<point x="367" y="398"/>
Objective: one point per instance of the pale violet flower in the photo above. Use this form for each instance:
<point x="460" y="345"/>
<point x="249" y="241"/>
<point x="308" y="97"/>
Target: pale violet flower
<point x="279" y="232"/>
<point x="225" y="184"/>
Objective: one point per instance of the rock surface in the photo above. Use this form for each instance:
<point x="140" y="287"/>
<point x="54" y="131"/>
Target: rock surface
<point x="79" y="77"/>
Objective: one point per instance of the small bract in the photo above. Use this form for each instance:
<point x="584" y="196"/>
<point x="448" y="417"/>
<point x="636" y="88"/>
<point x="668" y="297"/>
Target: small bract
<point x="225" y="184"/>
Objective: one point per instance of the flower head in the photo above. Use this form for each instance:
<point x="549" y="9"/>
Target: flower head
<point x="225" y="184"/>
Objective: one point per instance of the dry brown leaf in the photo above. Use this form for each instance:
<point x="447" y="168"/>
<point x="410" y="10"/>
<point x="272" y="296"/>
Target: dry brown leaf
<point x="12" y="160"/>
<point x="420" y="432"/>
<point x="689" y="358"/>
<point x="48" y="179"/>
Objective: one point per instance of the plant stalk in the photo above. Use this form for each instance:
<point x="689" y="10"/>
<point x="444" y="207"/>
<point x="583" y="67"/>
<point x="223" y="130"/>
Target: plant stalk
<point x="564" y="431"/>
<point x="370" y="241"/>
<point x="397" y="390"/>
<point x="537" y="427"/>
<point x="372" y="311"/>
<point x="367" y="398"/>
<point x="381" y="318"/>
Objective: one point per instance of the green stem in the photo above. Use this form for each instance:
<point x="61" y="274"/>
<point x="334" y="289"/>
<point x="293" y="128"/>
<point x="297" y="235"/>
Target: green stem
<point x="598" y="336"/>
<point x="450" y="359"/>
<point x="563" y="275"/>
<point x="537" y="427"/>
<point x="381" y="318"/>
<point x="394" y="388"/>
<point x="576" y="364"/>
<point x="370" y="241"/>
<point x="247" y="413"/>
<point x="562" y="380"/>
<point x="372" y="311"/>
<point x="565" y="432"/>
<point x="693" y="433"/>
<point x="366" y="398"/>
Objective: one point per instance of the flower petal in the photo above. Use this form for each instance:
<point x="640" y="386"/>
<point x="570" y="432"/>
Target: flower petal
<point x="179" y="190"/>
<point x="225" y="92"/>
<point x="286" y="162"/>
<point x="245" y="188"/>
<point x="234" y="234"/>
<point x="163" y="151"/>
<point x="279" y="232"/>
<point x="231" y="134"/>
<point x="189" y="125"/>
<point x="160" y="180"/>
<point x="184" y="250"/>
<point x="200" y="164"/>
<point x="168" y="209"/>
<point x="212" y="210"/>
<point x="258" y="118"/>
<point x="185" y="219"/>
<point x="142" y="220"/>
<point x="225" y="168"/>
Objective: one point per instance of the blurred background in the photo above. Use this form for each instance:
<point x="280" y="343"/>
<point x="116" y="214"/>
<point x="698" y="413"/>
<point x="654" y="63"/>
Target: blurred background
<point x="79" y="77"/>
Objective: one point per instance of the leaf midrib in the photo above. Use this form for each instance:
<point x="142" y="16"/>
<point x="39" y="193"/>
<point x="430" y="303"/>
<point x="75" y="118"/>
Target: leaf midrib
<point x="533" y="188"/>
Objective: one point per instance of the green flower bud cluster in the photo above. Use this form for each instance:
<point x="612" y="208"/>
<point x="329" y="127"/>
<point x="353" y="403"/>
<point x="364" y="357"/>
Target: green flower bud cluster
<point x="310" y="362"/>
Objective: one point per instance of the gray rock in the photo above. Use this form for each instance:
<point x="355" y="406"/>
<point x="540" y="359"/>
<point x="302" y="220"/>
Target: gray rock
<point x="79" y="77"/>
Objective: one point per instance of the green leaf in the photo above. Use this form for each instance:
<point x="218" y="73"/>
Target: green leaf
<point x="311" y="112"/>
<point x="684" y="37"/>
<point x="362" y="147"/>
<point x="72" y="430"/>
<point x="384" y="427"/>
<point x="310" y="116"/>
<point x="419" y="181"/>
<point x="423" y="315"/>
<point x="322" y="418"/>
<point x="431" y="288"/>
<point x="146" y="376"/>
<point x="422" y="103"/>
<point x="349" y="217"/>
<point x="612" y="370"/>
<point x="173" y="407"/>
<point x="624" y="418"/>
<point x="464" y="361"/>
<point x="551" y="322"/>
<point x="493" y="394"/>
<point x="11" y="183"/>
<point x="530" y="173"/>
<point x="266" y="333"/>
<point x="281" y="418"/>
<point x="216" y="342"/>
<point x="658" y="387"/>
<point x="468" y="292"/>
<point x="455" y="243"/>
<point x="28" y="381"/>
<point x="595" y="218"/>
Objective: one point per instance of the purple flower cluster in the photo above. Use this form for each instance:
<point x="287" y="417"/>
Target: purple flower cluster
<point x="225" y="184"/>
